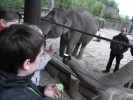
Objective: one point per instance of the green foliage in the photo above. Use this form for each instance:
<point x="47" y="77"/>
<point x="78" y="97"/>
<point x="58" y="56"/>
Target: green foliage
<point x="63" y="3"/>
<point x="94" y="6"/>
<point x="11" y="3"/>
<point x="125" y="19"/>
<point x="98" y="7"/>
<point x="45" y="4"/>
<point x="111" y="3"/>
<point x="112" y="16"/>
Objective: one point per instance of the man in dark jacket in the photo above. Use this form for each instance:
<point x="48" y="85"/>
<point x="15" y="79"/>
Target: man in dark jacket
<point x="117" y="50"/>
<point x="21" y="49"/>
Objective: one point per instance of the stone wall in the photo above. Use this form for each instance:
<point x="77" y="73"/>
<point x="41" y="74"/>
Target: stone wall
<point x="110" y="24"/>
<point x="116" y="25"/>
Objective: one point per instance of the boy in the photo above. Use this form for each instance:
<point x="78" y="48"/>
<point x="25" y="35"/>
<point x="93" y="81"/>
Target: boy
<point x="21" y="49"/>
<point x="44" y="60"/>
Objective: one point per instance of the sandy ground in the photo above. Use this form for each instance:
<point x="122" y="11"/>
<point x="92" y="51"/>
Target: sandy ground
<point x="96" y="54"/>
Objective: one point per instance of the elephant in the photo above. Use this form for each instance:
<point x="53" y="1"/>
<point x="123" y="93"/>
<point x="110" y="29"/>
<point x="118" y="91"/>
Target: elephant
<point x="98" y="81"/>
<point x="70" y="40"/>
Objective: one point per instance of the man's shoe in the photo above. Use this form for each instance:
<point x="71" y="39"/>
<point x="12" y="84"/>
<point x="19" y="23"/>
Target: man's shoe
<point x="105" y="71"/>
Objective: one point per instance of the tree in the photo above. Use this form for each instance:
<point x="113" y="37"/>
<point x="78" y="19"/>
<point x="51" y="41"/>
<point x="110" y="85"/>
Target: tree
<point x="11" y="3"/>
<point x="126" y="19"/>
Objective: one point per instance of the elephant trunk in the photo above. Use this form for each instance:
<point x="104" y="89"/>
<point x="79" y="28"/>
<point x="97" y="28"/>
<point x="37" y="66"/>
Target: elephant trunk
<point x="119" y="78"/>
<point x="52" y="35"/>
<point x="86" y="76"/>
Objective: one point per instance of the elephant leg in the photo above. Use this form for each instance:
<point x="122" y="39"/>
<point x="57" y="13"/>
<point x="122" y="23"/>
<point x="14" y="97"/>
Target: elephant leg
<point x="81" y="50"/>
<point x="76" y="50"/>
<point x="75" y="36"/>
<point x="62" y="46"/>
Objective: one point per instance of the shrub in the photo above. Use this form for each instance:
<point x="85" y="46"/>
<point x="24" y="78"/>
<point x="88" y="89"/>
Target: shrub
<point x="11" y="3"/>
<point x="112" y="16"/>
<point x="126" y="19"/>
<point x="98" y="7"/>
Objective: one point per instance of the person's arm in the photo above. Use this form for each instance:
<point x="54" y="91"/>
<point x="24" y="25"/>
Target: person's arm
<point x="41" y="89"/>
<point x="52" y="92"/>
<point x="46" y="56"/>
<point x="111" y="43"/>
<point x="44" y="60"/>
<point x="125" y="48"/>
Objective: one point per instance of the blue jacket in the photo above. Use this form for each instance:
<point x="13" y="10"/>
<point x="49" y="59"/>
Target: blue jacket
<point x="19" y="88"/>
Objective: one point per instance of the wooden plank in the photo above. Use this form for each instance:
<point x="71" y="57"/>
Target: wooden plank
<point x="57" y="62"/>
<point x="52" y="70"/>
<point x="65" y="74"/>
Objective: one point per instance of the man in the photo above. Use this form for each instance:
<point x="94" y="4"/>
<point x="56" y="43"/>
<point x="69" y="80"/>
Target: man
<point x="117" y="50"/>
<point x="21" y="49"/>
<point x="7" y="18"/>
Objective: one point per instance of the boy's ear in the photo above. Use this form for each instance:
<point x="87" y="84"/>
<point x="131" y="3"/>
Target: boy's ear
<point x="3" y="23"/>
<point x="26" y="64"/>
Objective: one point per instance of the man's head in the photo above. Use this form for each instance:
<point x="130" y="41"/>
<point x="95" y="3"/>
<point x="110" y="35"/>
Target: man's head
<point x="8" y="17"/>
<point x="21" y="48"/>
<point x="123" y="31"/>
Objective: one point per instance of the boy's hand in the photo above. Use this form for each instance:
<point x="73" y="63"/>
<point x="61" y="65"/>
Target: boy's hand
<point x="51" y="91"/>
<point x="51" y="48"/>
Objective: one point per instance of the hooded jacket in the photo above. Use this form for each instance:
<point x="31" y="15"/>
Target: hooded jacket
<point x="19" y="88"/>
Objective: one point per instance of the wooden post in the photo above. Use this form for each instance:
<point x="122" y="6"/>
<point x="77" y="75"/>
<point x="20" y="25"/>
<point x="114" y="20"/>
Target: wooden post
<point x="73" y="86"/>
<point x="32" y="12"/>
<point x="52" y="70"/>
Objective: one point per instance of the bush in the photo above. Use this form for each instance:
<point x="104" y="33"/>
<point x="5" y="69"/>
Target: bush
<point x="45" y="4"/>
<point x="63" y="3"/>
<point x="111" y="3"/>
<point x="94" y="6"/>
<point x="126" y="19"/>
<point x="98" y="7"/>
<point x="11" y="3"/>
<point x="112" y="16"/>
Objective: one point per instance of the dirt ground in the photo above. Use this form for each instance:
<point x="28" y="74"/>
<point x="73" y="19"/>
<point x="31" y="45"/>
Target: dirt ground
<point x="96" y="54"/>
<point x="95" y="57"/>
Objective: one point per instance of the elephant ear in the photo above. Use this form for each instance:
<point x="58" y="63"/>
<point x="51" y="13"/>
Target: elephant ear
<point x="68" y="23"/>
<point x="51" y="14"/>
